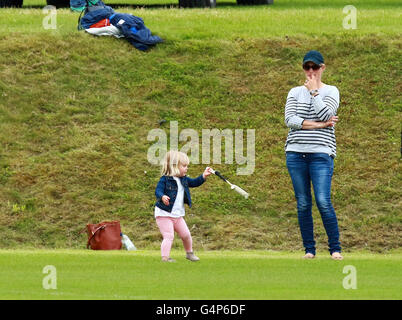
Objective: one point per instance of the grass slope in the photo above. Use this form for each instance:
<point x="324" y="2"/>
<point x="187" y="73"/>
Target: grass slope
<point x="75" y="112"/>
<point x="139" y="275"/>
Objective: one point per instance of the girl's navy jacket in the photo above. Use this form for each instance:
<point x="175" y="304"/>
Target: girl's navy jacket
<point x="167" y="186"/>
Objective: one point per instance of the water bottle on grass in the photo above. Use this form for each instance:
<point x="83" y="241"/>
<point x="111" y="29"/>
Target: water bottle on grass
<point x="127" y="242"/>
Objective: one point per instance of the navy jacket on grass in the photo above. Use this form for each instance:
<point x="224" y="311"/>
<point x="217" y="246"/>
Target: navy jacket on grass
<point x="132" y="27"/>
<point x="167" y="185"/>
<point x="134" y="30"/>
<point x="95" y="16"/>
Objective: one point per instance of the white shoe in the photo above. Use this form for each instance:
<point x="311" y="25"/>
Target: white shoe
<point x="192" y="257"/>
<point x="336" y="256"/>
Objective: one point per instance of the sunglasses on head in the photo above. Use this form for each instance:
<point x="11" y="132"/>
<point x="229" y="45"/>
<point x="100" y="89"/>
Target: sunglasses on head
<point x="312" y="66"/>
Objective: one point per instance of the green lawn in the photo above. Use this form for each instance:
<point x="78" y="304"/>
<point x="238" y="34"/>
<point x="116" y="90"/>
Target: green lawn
<point x="243" y="275"/>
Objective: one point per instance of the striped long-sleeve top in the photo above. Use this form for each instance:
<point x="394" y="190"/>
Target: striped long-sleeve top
<point x="300" y="106"/>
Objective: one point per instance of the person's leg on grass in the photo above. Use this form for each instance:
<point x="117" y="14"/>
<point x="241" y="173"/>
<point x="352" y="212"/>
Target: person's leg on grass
<point x="321" y="171"/>
<point x="185" y="235"/>
<point x="166" y="228"/>
<point x="182" y="230"/>
<point x="298" y="167"/>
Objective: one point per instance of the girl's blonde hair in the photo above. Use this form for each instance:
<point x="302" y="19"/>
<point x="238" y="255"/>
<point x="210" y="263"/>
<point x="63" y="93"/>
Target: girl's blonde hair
<point x="170" y="165"/>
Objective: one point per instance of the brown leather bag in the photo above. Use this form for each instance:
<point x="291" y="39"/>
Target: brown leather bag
<point x="104" y="235"/>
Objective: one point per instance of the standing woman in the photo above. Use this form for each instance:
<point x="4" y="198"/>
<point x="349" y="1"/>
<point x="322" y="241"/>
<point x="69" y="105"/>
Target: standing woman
<point x="310" y="113"/>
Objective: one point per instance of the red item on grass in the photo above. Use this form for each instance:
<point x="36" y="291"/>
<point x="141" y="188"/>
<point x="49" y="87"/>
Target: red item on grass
<point x="101" y="24"/>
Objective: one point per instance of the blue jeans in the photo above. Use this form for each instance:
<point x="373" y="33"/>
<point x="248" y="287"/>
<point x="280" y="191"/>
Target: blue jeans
<point x="317" y="168"/>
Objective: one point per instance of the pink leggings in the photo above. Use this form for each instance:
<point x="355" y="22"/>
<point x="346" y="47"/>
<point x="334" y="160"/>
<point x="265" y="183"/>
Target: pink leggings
<point x="167" y="226"/>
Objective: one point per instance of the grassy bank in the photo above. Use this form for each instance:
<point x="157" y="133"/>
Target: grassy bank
<point x="75" y="113"/>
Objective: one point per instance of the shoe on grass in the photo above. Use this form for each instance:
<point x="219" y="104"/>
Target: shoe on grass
<point x="309" y="255"/>
<point x="168" y="259"/>
<point x="192" y="257"/>
<point x="336" y="256"/>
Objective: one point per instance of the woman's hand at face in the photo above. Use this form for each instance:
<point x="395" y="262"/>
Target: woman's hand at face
<point x="312" y="82"/>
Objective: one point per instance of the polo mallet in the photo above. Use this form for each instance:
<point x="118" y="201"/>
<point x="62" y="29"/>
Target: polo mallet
<point x="232" y="186"/>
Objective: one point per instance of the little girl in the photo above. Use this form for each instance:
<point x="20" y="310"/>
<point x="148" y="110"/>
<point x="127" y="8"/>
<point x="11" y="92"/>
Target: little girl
<point x="171" y="193"/>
